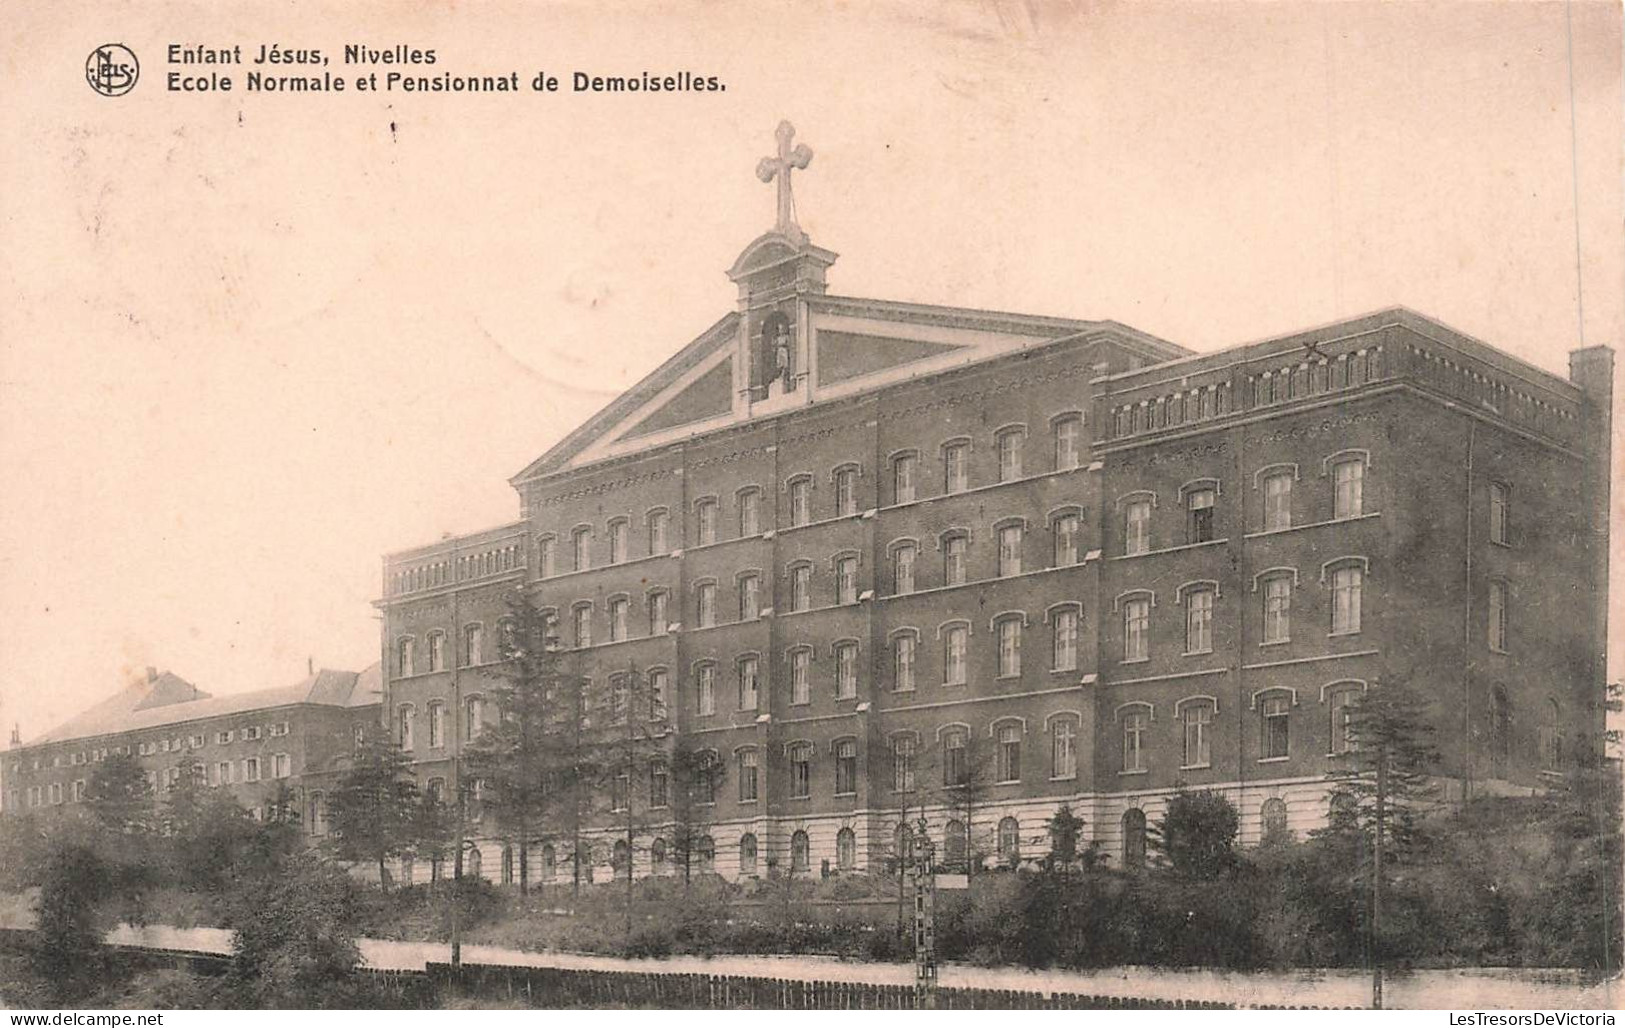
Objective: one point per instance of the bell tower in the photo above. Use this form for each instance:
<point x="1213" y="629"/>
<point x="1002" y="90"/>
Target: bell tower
<point x="775" y="274"/>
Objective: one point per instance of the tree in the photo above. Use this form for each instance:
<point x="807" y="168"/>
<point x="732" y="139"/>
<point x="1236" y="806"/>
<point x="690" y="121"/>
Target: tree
<point x="374" y="806"/>
<point x="510" y="757"/>
<point x="1197" y="834"/>
<point x="634" y="734"/>
<point x="1065" y="830"/>
<point x="69" y="921"/>
<point x="697" y="775"/>
<point x="294" y="945"/>
<point x="119" y="796"/>
<point x="968" y="777"/>
<point x="1387" y="779"/>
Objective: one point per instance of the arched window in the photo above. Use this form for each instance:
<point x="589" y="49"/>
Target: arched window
<point x="747" y="668"/>
<point x="799" y="757"/>
<point x="846" y="849"/>
<point x="404" y="654"/>
<point x="956" y="466"/>
<point x="1008" y="631"/>
<point x="507" y="865"/>
<point x="706" y="851"/>
<point x="955" y="653"/>
<point x="800" y="490"/>
<point x="1500" y="732"/>
<point x="705" y="604"/>
<point x="846" y="670"/>
<point x="750" y="596"/>
<point x="472" y="863"/>
<point x="748" y="772"/>
<point x="620" y="540"/>
<point x="1010" y="537"/>
<point x="408" y="715"/>
<point x="904" y="474"/>
<point x="657" y="855"/>
<point x="846" y="767"/>
<point x="747" y="854"/>
<point x="473" y="717"/>
<point x="620" y="859"/>
<point x="1008" y="442"/>
<point x="437" y="724"/>
<point x="581" y="547"/>
<point x="801" y="586"/>
<point x="846" y="490"/>
<point x="619" y="607"/>
<point x="581" y="615"/>
<point x="902" y="562"/>
<point x="1068" y="441"/>
<point x="659" y="623"/>
<point x="473" y="644"/>
<point x="1340" y="702"/>
<point x="750" y="511"/>
<point x="437" y="651"/>
<point x="953" y="849"/>
<point x="1275" y="725"/>
<point x="1551" y="737"/>
<point x="955" y="557"/>
<point x="546" y="556"/>
<point x="705" y="690"/>
<point x="800" y="852"/>
<point x="904" y="643"/>
<point x="1009" y="752"/>
<point x="705" y="521"/>
<point x="659" y="527"/>
<point x="1196" y="716"/>
<point x="955" y="767"/>
<point x="550" y="862"/>
<point x="1064" y="747"/>
<point x="1273" y="817"/>
<point x="903" y="747"/>
<point x="1009" y="842"/>
<point x="1066" y="528"/>
<point x="1134" y="837"/>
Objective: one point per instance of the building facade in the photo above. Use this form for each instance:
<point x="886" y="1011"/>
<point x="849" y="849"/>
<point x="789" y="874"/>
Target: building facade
<point x="890" y="561"/>
<point x="267" y="747"/>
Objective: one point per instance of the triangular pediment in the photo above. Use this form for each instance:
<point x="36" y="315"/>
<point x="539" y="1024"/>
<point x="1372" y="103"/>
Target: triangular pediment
<point x="848" y="355"/>
<point x="708" y="396"/>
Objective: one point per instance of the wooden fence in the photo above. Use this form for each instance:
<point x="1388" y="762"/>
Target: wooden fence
<point x="559" y="988"/>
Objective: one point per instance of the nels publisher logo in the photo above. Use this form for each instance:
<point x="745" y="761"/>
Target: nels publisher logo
<point x="111" y="69"/>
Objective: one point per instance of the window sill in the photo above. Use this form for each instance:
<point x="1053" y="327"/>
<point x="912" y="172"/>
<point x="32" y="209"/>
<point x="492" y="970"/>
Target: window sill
<point x="1196" y="767"/>
<point x="1273" y="760"/>
<point x="1274" y="642"/>
<point x="801" y="799"/>
<point x="1198" y="653"/>
<point x="1501" y="543"/>
<point x="1127" y="774"/>
<point x="746" y="803"/>
<point x="1016" y="677"/>
<point x="1064" y="670"/>
<point x="845" y="795"/>
<point x="1173" y="549"/>
<point x="1063" y="778"/>
<point x="1339" y="635"/>
<point x="953" y="685"/>
<point x="1135" y="660"/>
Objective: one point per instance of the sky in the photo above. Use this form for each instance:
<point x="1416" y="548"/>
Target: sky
<point x="249" y="343"/>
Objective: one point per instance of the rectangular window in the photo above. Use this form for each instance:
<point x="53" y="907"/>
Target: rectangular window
<point x="747" y="683"/>
<point x="1342" y="717"/>
<point x="903" y="471"/>
<point x="1065" y="529"/>
<point x="1199" y="509"/>
<point x="705" y="602"/>
<point x="750" y="513"/>
<point x="583" y="626"/>
<point x="1068" y="443"/>
<point x="1199" y="621"/>
<point x="659" y="785"/>
<point x="846" y="671"/>
<point x="474" y="645"/>
<point x="801" y="501"/>
<point x="1347" y="585"/>
<point x="750" y="597"/>
<point x="619" y="537"/>
<point x="846" y="580"/>
<point x="1348" y="479"/>
<point x="903" y="662"/>
<point x="954" y="769"/>
<point x="1134" y="724"/>
<point x="1198" y="729"/>
<point x="221" y="738"/>
<point x="1010" y="456"/>
<point x="657" y="613"/>
<point x="846" y="767"/>
<point x="1064" y="748"/>
<point x="1498" y="616"/>
<point x="617" y="619"/>
<point x="705" y="688"/>
<point x="1278" y="609"/>
<point x="437" y="725"/>
<point x="801" y="587"/>
<point x="846" y="492"/>
<point x="903" y="570"/>
<point x="437" y="651"/>
<point x="657" y="694"/>
<point x="748" y="785"/>
<point x="955" y="550"/>
<point x="1278" y="502"/>
<point x="280" y="766"/>
<point x="1009" y="756"/>
<point x="956" y="467"/>
<point x="583" y="548"/>
<point x="251" y="769"/>
<point x="659" y="522"/>
<point x="1065" y="656"/>
<point x="1275" y="727"/>
<point x="955" y="641"/>
<point x="474" y="717"/>
<point x="1500" y="513"/>
<point x="1137" y="527"/>
<point x="705" y="522"/>
<point x="545" y="557"/>
<point x="800" y="689"/>
<point x="619" y="787"/>
<point x="1010" y="551"/>
<point x="224" y="772"/>
<point x="1010" y="647"/>
<point x="1136" y="629"/>
<point x="800" y="771"/>
<point x="902" y="763"/>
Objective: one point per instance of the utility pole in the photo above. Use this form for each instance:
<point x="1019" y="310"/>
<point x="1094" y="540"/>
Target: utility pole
<point x="457" y="872"/>
<point x="925" y="923"/>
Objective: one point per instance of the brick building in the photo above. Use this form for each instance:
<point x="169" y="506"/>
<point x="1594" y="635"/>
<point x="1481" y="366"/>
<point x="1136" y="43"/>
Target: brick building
<point x="262" y="746"/>
<point x="889" y="559"/>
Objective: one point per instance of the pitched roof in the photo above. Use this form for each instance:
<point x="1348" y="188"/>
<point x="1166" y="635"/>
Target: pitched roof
<point x="130" y="709"/>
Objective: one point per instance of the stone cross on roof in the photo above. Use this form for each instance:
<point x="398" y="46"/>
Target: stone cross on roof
<point x="781" y="166"/>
